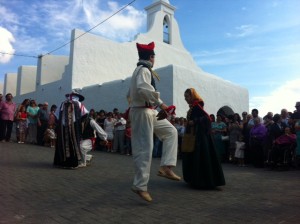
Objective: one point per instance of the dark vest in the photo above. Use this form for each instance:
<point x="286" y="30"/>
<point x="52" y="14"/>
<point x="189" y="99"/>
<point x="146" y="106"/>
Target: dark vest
<point x="88" y="131"/>
<point x="152" y="78"/>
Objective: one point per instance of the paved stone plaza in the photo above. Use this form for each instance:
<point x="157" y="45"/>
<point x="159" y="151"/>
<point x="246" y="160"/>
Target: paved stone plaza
<point x="33" y="192"/>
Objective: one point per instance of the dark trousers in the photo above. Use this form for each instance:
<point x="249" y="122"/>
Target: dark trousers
<point x="41" y="131"/>
<point x="119" y="138"/>
<point x="257" y="149"/>
<point x="5" y="129"/>
<point x="279" y="152"/>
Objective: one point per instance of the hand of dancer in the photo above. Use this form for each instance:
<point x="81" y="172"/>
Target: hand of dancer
<point x="162" y="114"/>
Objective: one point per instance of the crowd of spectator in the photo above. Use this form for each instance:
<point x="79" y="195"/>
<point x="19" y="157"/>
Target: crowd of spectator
<point x="35" y="124"/>
<point x="239" y="139"/>
<point x="251" y="139"/>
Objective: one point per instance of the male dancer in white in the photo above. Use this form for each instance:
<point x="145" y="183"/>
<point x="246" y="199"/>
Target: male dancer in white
<point x="89" y="127"/>
<point x="143" y="99"/>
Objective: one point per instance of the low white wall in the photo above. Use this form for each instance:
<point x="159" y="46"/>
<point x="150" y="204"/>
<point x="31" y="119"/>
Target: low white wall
<point x="1" y="87"/>
<point x="26" y="79"/>
<point x="51" y="68"/>
<point x="53" y="93"/>
<point x="10" y="83"/>
<point x="215" y="91"/>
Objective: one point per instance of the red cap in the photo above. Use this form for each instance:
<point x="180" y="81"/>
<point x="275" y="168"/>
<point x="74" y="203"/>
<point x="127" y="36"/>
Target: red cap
<point x="145" y="47"/>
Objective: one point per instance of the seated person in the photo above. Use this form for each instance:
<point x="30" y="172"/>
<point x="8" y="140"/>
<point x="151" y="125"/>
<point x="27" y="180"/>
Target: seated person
<point x="282" y="143"/>
<point x="287" y="139"/>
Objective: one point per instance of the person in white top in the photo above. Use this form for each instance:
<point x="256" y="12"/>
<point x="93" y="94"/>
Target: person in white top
<point x="119" y="138"/>
<point x="143" y="99"/>
<point x="90" y="126"/>
<point x="109" y="128"/>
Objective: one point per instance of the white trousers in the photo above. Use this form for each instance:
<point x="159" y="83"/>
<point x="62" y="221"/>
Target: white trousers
<point x="86" y="146"/>
<point x="143" y="124"/>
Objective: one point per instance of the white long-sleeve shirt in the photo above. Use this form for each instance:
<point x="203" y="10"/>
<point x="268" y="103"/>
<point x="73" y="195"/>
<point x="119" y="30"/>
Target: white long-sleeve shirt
<point x="100" y="132"/>
<point x="121" y="127"/>
<point x="141" y="91"/>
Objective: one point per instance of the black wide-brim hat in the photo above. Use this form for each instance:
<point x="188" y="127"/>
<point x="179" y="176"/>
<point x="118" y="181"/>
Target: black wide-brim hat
<point x="75" y="93"/>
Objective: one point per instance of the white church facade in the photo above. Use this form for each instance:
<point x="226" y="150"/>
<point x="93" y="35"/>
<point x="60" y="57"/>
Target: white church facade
<point x="101" y="70"/>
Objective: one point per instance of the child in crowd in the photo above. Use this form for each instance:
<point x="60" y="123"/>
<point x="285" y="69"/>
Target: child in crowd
<point x="50" y="136"/>
<point x="22" y="123"/>
<point x="239" y="151"/>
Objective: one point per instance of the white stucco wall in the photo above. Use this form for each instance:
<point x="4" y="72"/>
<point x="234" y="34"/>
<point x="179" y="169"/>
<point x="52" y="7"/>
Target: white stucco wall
<point x="52" y="93"/>
<point x="52" y="71"/>
<point x="26" y="79"/>
<point x="96" y="60"/>
<point x="113" y="94"/>
<point x="101" y="69"/>
<point x="51" y="68"/>
<point x="10" y="83"/>
<point x="107" y="96"/>
<point x="216" y="92"/>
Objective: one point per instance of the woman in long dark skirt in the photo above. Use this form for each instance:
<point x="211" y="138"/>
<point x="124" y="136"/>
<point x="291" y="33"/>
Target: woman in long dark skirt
<point x="67" y="149"/>
<point x="201" y="168"/>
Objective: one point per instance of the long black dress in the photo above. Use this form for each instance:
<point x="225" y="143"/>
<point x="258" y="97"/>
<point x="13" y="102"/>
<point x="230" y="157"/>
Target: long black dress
<point x="202" y="168"/>
<point x="67" y="149"/>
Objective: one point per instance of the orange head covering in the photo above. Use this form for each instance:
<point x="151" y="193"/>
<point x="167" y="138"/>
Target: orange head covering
<point x="196" y="96"/>
<point x="197" y="101"/>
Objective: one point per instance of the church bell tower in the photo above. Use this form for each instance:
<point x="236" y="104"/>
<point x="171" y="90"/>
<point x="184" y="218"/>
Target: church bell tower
<point x="161" y="24"/>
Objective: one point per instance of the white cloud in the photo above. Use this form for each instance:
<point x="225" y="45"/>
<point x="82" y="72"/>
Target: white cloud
<point x="122" y="26"/>
<point x="7" y="16"/>
<point x="45" y="25"/>
<point x="6" y="40"/>
<point x="242" y="31"/>
<point x="275" y="4"/>
<point x="270" y="55"/>
<point x="216" y="52"/>
<point x="283" y="97"/>
<point x="60" y="19"/>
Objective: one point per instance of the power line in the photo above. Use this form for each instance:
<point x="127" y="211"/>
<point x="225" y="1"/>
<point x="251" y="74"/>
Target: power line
<point x="20" y="55"/>
<point x="40" y="56"/>
<point x="121" y="9"/>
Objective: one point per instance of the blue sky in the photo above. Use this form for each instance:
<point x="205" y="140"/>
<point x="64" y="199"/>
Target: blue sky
<point x="253" y="43"/>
